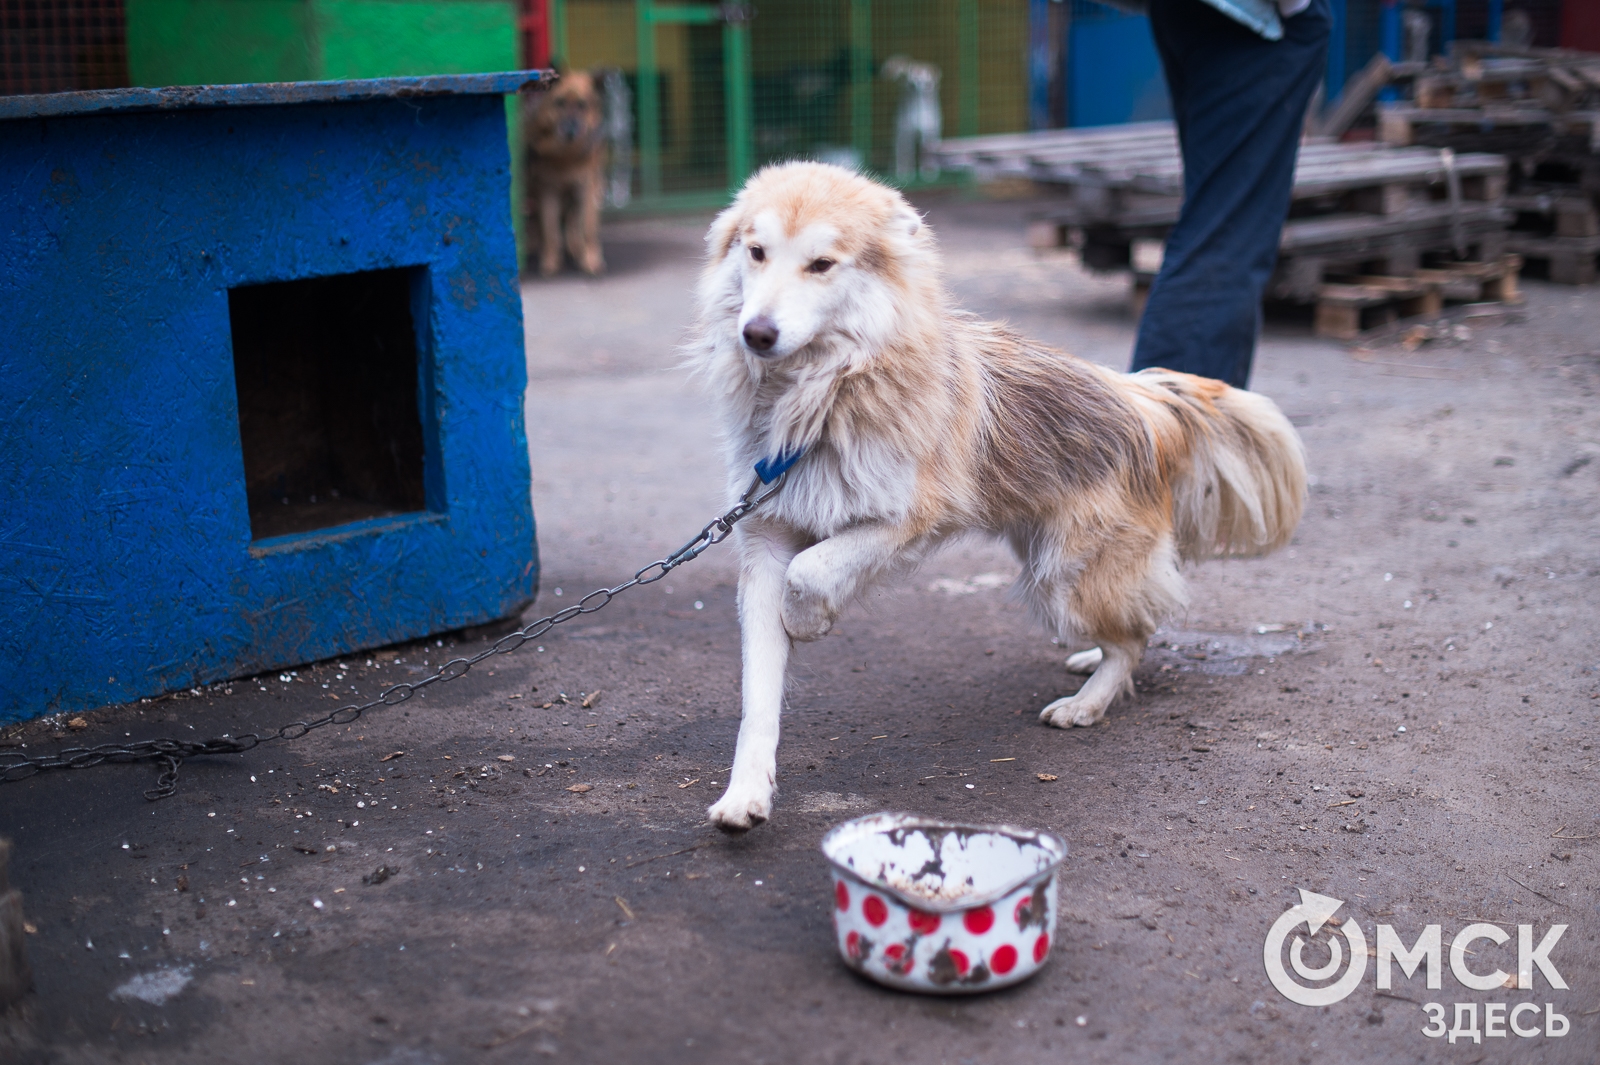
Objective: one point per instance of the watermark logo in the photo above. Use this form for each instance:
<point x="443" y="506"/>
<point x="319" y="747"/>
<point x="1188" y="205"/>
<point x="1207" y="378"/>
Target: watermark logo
<point x="1313" y="912"/>
<point x="1470" y="963"/>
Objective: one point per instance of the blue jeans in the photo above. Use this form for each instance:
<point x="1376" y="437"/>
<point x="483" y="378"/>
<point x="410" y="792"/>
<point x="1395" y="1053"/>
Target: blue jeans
<point x="1239" y="102"/>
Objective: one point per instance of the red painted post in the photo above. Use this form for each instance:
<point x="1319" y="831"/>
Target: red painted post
<point x="1580" y="26"/>
<point x="533" y="31"/>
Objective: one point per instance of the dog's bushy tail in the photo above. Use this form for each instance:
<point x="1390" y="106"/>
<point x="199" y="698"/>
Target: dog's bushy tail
<point x="1245" y="486"/>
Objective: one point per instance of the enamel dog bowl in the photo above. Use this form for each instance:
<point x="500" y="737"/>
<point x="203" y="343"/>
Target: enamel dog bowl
<point x="943" y="908"/>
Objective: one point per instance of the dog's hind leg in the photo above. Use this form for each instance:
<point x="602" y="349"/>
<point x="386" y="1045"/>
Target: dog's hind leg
<point x="748" y="800"/>
<point x="1122" y="593"/>
<point x="1109" y="680"/>
<point x="1085" y="662"/>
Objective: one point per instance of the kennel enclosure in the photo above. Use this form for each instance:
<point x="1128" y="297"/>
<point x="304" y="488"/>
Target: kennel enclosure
<point x="261" y="362"/>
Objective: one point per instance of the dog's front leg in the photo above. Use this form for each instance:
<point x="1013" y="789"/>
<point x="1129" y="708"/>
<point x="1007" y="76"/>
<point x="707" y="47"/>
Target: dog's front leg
<point x="748" y="800"/>
<point x="823" y="578"/>
<point x="549" y="231"/>
<point x="583" y="236"/>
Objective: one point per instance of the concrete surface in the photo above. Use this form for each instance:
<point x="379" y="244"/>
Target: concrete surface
<point x="1444" y="581"/>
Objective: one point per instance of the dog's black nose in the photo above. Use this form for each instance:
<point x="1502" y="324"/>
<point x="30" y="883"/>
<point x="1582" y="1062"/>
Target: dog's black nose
<point x="761" y="333"/>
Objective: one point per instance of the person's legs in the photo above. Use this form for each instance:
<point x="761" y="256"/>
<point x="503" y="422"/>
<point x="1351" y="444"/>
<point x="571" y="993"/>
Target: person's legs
<point x="1239" y="102"/>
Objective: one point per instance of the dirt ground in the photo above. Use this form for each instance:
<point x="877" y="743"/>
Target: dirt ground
<point x="1398" y="712"/>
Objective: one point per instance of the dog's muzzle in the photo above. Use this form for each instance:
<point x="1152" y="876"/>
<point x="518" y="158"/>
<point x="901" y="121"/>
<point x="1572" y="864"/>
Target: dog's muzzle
<point x="761" y="334"/>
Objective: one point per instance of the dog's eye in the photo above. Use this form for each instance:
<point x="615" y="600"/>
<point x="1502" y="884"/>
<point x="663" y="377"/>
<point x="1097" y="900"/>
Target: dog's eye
<point x="758" y="253"/>
<point x="820" y="266"/>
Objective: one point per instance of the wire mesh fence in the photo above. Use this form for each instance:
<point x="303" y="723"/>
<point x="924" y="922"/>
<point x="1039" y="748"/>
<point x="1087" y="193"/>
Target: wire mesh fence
<point x="62" y="45"/>
<point x="720" y="90"/>
<point x="707" y="92"/>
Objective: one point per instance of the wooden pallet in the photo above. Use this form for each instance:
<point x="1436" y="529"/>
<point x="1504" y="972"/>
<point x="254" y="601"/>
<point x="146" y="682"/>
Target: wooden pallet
<point x="1570" y="260"/>
<point x="1351" y="305"/>
<point x="1517" y="130"/>
<point x="1481" y="282"/>
<point x="1541" y="107"/>
<point x="1500" y="98"/>
<point x="1313" y="251"/>
<point x="1357" y="208"/>
<point x="1560" y="212"/>
<point x="1346" y="309"/>
<point x="1483" y="72"/>
<point x="1109" y="172"/>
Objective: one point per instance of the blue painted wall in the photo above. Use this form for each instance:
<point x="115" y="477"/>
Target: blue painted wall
<point x="126" y="561"/>
<point x="1113" y="70"/>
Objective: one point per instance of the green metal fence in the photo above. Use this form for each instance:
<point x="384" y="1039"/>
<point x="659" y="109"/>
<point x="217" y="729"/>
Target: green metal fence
<point x="718" y="42"/>
<point x="720" y="89"/>
<point x="716" y="89"/>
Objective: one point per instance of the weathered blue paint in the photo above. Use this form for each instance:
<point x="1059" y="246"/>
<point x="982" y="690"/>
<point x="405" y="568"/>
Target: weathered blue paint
<point x="126" y="561"/>
<point x="1113" y="72"/>
<point x="185" y="97"/>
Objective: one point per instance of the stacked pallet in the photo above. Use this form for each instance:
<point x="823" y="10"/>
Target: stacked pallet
<point x="1347" y="309"/>
<point x="1541" y="108"/>
<point x="1560" y="229"/>
<point x="1358" y="210"/>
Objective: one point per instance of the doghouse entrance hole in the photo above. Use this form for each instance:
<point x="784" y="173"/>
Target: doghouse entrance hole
<point x="329" y="399"/>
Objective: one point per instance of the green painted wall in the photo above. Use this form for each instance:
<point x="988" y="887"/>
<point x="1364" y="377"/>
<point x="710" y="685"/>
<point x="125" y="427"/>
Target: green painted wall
<point x="382" y="38"/>
<point x="189" y="42"/>
<point x="199" y="42"/>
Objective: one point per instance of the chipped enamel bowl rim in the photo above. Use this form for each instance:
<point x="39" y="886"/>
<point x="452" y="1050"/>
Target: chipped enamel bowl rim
<point x="1050" y="851"/>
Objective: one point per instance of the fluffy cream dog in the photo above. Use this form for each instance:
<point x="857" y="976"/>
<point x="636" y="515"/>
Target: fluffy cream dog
<point x="826" y="332"/>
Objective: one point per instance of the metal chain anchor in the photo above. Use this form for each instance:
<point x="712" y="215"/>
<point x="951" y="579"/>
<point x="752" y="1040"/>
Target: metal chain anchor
<point x="171" y="753"/>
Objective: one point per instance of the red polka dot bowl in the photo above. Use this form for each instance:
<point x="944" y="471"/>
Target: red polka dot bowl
<point x="940" y="907"/>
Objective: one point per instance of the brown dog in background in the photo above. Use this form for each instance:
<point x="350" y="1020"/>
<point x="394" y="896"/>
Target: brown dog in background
<point x="564" y="135"/>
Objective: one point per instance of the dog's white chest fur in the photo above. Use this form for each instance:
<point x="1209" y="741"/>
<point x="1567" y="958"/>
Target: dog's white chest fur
<point x="827" y="491"/>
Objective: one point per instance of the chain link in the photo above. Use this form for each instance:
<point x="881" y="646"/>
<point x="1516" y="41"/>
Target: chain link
<point x="171" y="753"/>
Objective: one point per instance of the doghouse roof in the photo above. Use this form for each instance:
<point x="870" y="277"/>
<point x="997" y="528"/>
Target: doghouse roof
<point x="261" y="94"/>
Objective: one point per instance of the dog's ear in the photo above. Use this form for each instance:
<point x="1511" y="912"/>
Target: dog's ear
<point x="724" y="229"/>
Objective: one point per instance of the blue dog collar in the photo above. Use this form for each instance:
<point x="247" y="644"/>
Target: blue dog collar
<point x="770" y="469"/>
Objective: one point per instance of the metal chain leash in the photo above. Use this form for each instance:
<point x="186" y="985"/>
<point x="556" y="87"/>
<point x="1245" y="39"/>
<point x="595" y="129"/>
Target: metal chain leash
<point x="171" y="753"/>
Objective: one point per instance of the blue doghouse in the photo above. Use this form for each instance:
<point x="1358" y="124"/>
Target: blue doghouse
<point x="261" y="380"/>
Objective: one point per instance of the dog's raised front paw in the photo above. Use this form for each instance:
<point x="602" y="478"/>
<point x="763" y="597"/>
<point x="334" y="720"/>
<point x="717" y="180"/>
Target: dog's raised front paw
<point x="1071" y="711"/>
<point x="1085" y="661"/>
<point x="807" y="615"/>
<point x="739" y="811"/>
